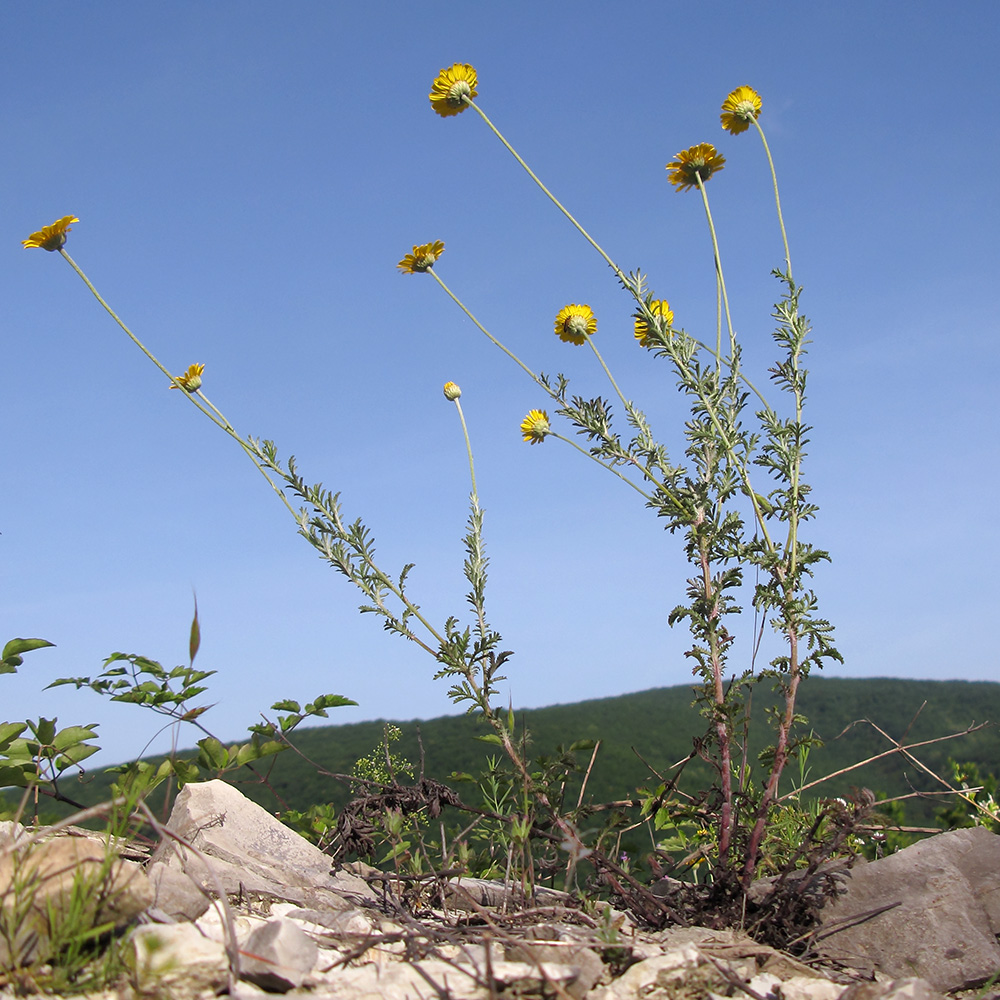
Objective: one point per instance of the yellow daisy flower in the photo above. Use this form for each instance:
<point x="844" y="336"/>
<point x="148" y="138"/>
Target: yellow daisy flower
<point x="699" y="161"/>
<point x="739" y="109"/>
<point x="190" y="381"/>
<point x="575" y="323"/>
<point x="451" y="391"/>
<point x="658" y="307"/>
<point x="450" y="86"/>
<point x="535" y="426"/>
<point x="51" y="237"/>
<point x="422" y="258"/>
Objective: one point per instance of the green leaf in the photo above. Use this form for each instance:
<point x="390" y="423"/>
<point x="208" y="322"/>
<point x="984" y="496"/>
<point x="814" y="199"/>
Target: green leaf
<point x="17" y="646"/>
<point x="194" y="642"/>
<point x="12" y="658"/>
<point x="74" y="755"/>
<point x="21" y="752"/>
<point x="44" y="730"/>
<point x="325" y="701"/>
<point x="58" y="682"/>
<point x="186" y="771"/>
<point x="213" y="754"/>
<point x="72" y="735"/>
<point x="10" y="731"/>
<point x="254" y="751"/>
<point x="18" y="777"/>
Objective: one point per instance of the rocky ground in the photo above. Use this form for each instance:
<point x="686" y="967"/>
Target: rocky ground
<point x="232" y="901"/>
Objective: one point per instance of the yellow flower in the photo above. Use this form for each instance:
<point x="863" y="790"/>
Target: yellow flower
<point x="739" y="109"/>
<point x="450" y="87"/>
<point x="51" y="237"/>
<point x="190" y="381"/>
<point x="451" y="391"/>
<point x="535" y="426"/>
<point x="575" y="323"/>
<point x="422" y="258"/>
<point x="698" y="161"/>
<point x="659" y="308"/>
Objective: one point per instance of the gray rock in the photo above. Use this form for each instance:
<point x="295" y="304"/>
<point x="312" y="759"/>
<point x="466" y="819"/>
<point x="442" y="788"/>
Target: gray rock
<point x="278" y="956"/>
<point x="251" y="853"/>
<point x="938" y="925"/>
<point x="64" y="885"/>
<point x="896" y="989"/>
<point x="555" y="946"/>
<point x="975" y="852"/>
<point x="343" y="922"/>
<point x="176" y="894"/>
<point x="468" y="893"/>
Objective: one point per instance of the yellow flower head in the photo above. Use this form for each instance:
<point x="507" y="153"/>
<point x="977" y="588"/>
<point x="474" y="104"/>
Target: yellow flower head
<point x="190" y="381"/>
<point x="739" y="109"/>
<point x="660" y="308"/>
<point x="575" y="324"/>
<point x="51" y="237"/>
<point x="535" y="426"/>
<point x="422" y="258"/>
<point x="450" y="87"/>
<point x="698" y="161"/>
<point x="451" y="391"/>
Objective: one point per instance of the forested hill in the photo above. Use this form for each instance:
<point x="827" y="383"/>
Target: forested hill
<point x="658" y="727"/>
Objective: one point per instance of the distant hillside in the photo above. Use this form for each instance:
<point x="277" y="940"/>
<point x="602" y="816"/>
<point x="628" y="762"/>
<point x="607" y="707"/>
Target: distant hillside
<point x="659" y="725"/>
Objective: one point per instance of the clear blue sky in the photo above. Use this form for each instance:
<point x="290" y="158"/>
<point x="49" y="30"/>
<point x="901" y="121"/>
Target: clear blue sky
<point x="247" y="174"/>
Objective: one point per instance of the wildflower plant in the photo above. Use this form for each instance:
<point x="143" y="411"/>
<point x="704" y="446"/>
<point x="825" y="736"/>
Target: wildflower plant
<point x="730" y="484"/>
<point x="731" y="523"/>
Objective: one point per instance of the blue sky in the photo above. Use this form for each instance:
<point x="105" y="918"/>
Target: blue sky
<point x="247" y="175"/>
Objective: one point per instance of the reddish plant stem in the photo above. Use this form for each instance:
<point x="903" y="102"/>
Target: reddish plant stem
<point x="778" y="765"/>
<point x="721" y="725"/>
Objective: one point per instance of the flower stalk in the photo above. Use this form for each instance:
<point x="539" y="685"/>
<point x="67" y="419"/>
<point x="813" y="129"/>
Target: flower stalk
<point x="196" y="396"/>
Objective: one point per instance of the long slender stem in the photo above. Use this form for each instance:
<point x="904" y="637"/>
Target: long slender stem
<point x="208" y="409"/>
<point x="468" y="448"/>
<point x="475" y="567"/>
<point x="607" y="371"/>
<point x="722" y="724"/>
<point x="555" y="201"/>
<point x="796" y="471"/>
<point x="97" y="295"/>
<point x="718" y="323"/>
<point x="605" y="465"/>
<point x="461" y="305"/>
<point x="718" y="268"/>
<point x="777" y="198"/>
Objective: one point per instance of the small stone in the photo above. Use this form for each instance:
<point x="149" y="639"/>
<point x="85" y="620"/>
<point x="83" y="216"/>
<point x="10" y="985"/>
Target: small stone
<point x="278" y="956"/>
